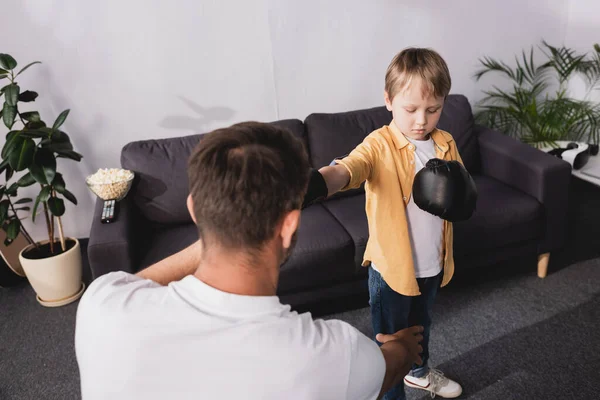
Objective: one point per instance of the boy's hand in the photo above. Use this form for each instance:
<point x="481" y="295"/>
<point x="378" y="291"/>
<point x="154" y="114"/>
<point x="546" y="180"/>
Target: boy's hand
<point x="411" y="337"/>
<point x="445" y="189"/>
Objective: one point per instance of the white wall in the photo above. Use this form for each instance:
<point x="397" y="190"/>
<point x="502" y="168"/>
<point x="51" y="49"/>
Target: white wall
<point x="583" y="30"/>
<point x="133" y="69"/>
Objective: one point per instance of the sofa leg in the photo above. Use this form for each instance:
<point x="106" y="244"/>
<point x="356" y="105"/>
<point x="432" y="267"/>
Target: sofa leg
<point x="543" y="264"/>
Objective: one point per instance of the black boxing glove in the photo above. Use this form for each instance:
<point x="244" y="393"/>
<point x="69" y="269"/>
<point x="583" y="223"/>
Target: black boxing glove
<point x="317" y="189"/>
<point x="445" y="189"/>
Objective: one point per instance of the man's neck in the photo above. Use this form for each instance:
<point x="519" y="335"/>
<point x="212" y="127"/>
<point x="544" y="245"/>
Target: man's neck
<point x="237" y="273"/>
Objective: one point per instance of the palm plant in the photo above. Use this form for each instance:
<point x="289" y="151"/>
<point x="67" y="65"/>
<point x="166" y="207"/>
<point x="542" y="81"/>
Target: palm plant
<point x="534" y="110"/>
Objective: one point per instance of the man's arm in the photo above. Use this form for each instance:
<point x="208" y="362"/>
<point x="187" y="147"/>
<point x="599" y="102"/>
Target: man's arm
<point x="400" y="351"/>
<point x="174" y="267"/>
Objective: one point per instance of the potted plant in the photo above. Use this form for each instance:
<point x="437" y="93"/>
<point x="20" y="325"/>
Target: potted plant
<point x="538" y="109"/>
<point x="29" y="157"/>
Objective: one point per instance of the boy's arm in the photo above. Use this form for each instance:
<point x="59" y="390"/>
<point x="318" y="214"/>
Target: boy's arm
<point x="174" y="267"/>
<point x="336" y="177"/>
<point x="348" y="173"/>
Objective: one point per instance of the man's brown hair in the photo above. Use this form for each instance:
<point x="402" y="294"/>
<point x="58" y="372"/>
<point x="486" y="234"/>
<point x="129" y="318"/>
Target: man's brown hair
<point x="243" y="179"/>
<point x="424" y="63"/>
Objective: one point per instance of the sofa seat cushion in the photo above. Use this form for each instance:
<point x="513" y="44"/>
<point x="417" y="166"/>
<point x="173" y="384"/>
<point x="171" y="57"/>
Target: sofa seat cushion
<point x="350" y="212"/>
<point x="504" y="216"/>
<point x="161" y="185"/>
<point x="323" y="255"/>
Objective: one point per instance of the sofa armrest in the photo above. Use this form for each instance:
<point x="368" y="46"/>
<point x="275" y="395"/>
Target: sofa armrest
<point x="530" y="170"/>
<point x="110" y="246"/>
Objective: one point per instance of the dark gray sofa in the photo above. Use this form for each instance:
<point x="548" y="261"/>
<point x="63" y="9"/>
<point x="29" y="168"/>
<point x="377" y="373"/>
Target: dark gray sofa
<point x="521" y="209"/>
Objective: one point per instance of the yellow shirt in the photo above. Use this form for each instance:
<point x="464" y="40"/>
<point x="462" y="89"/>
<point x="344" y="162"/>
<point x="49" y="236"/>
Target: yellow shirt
<point x="385" y="159"/>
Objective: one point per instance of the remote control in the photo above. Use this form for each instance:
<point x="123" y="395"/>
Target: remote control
<point x="109" y="211"/>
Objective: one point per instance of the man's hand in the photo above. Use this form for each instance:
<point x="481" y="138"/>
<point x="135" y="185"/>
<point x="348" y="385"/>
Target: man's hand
<point x="411" y="337"/>
<point x="400" y="350"/>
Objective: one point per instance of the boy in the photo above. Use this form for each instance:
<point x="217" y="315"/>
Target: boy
<point x="409" y="250"/>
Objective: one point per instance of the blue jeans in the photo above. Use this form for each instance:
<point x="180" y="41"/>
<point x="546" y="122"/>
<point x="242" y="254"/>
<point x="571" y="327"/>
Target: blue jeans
<point x="391" y="312"/>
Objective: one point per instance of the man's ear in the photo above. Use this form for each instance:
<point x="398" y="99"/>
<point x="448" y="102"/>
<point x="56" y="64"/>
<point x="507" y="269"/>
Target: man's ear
<point x="190" y="206"/>
<point x="388" y="101"/>
<point x="289" y="226"/>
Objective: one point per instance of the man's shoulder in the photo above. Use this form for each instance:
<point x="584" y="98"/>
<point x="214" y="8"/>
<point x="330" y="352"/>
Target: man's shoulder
<point x="113" y="287"/>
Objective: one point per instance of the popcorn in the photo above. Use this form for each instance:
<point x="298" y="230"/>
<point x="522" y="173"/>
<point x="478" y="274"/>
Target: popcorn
<point x="110" y="183"/>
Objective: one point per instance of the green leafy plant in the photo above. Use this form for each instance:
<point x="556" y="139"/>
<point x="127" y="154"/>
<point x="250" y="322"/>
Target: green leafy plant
<point x="538" y="109"/>
<point x="29" y="158"/>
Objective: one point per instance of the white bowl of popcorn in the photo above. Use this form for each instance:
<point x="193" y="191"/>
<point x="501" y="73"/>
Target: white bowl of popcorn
<point x="110" y="183"/>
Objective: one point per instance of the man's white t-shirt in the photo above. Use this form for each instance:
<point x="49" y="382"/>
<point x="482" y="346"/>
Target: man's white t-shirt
<point x="135" y="339"/>
<point x="426" y="230"/>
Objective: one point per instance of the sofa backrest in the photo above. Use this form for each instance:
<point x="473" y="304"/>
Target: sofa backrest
<point x="335" y="135"/>
<point x="160" y="188"/>
<point x="457" y="119"/>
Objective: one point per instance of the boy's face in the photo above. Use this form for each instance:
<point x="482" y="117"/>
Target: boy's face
<point x="414" y="114"/>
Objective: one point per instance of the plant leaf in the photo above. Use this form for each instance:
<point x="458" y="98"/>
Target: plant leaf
<point x="3" y="71"/>
<point x="24" y="200"/>
<point x="27" y="66"/>
<point x="33" y="134"/>
<point x="60" y="137"/>
<point x="72" y="155"/>
<point x="44" y="159"/>
<point x="70" y="196"/>
<point x="41" y="197"/>
<point x="56" y="206"/>
<point x="23" y="209"/>
<point x="60" y="119"/>
<point x="12" y="190"/>
<point x="11" y="94"/>
<point x="34" y="125"/>
<point x="22" y="156"/>
<point x="27" y="96"/>
<point x="13" y="139"/>
<point x="31" y="116"/>
<point x="9" y="113"/>
<point x="13" y="229"/>
<point x="26" y="180"/>
<point x="4" y="204"/>
<point x="7" y="62"/>
<point x="59" y="183"/>
<point x="9" y="172"/>
<point x="3" y="165"/>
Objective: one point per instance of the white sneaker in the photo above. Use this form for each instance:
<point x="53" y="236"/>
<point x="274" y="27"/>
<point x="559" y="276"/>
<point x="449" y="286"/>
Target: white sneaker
<point x="435" y="383"/>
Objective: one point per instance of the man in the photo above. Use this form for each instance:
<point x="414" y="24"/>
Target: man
<point x="206" y="323"/>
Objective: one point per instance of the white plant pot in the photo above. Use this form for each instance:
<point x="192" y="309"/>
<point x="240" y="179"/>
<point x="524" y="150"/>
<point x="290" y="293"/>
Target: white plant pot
<point x="56" y="279"/>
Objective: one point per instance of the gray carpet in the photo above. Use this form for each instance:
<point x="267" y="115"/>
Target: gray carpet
<point x="501" y="332"/>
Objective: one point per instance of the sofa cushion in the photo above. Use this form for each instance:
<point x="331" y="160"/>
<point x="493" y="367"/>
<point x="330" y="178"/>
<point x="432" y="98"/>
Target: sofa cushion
<point x="324" y="253"/>
<point x="350" y="213"/>
<point x="457" y="119"/>
<point x="160" y="188"/>
<point x="504" y="216"/>
<point x="335" y="135"/>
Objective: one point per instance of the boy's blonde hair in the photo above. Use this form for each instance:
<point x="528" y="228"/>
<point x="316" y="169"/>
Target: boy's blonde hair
<point x="425" y="63"/>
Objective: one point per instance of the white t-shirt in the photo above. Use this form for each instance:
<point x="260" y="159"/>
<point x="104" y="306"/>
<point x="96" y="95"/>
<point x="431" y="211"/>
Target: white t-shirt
<point x="426" y="230"/>
<point x="135" y="339"/>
